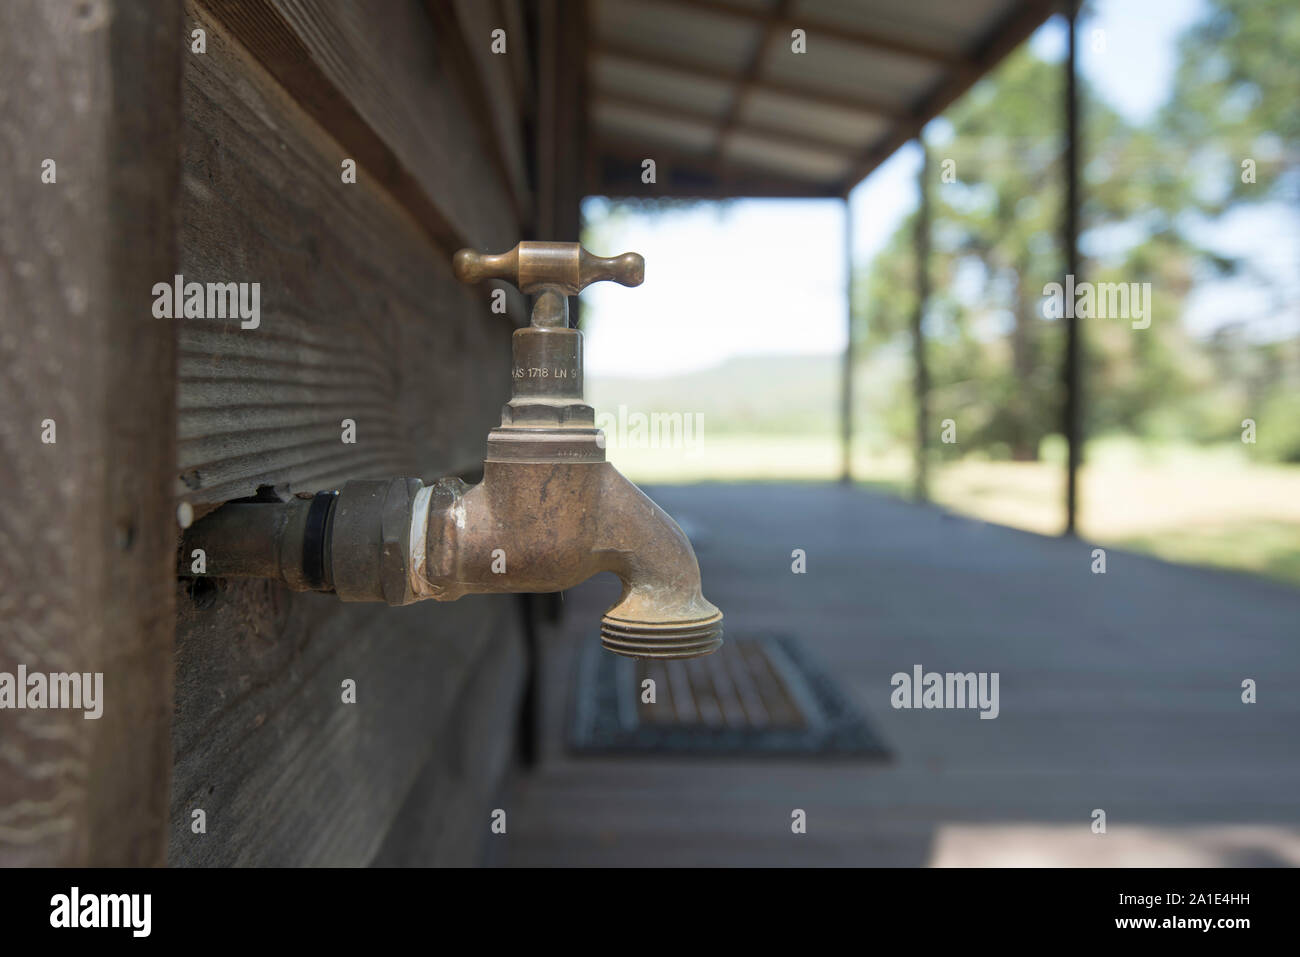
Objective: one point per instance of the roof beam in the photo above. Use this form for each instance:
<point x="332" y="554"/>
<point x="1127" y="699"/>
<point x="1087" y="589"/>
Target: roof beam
<point x="749" y="127"/>
<point x="1004" y="37"/>
<point x="708" y="179"/>
<point x="872" y="39"/>
<point x="749" y="75"/>
<point x="689" y="68"/>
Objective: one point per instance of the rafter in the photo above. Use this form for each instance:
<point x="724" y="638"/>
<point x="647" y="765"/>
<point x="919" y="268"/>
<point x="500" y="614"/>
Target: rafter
<point x="747" y="127"/>
<point x="856" y="36"/>
<point x="674" y="63"/>
<point x="682" y="173"/>
<point x="750" y="73"/>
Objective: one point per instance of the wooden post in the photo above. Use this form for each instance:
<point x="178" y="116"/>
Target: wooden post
<point x="922" y="378"/>
<point x="570" y="118"/>
<point x="1072" y="421"/>
<point x="846" y="397"/>
<point x="545" y="146"/>
<point x="88" y="528"/>
<point x="560" y="143"/>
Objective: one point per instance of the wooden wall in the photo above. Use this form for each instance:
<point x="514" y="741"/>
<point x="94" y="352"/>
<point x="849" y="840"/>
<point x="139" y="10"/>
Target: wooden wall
<point x="362" y="317"/>
<point x="361" y="320"/>
<point x="225" y="166"/>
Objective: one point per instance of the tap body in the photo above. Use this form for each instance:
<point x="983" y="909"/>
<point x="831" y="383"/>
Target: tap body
<point x="545" y="526"/>
<point x="526" y="527"/>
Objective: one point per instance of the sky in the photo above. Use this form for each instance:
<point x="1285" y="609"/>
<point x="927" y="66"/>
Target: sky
<point x="722" y="282"/>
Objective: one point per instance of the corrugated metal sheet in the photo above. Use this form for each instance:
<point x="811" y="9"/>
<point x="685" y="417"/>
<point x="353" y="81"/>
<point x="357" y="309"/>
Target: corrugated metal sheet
<point x="712" y="91"/>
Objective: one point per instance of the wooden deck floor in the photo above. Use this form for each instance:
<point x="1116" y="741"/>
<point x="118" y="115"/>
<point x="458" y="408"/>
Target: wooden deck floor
<point x="1119" y="691"/>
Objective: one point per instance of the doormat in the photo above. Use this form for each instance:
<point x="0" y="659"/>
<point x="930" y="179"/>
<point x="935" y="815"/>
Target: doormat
<point x="756" y="696"/>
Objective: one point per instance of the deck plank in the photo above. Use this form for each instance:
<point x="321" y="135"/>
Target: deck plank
<point x="1119" y="691"/>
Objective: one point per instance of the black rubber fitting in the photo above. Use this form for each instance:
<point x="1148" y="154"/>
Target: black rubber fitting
<point x="315" y="539"/>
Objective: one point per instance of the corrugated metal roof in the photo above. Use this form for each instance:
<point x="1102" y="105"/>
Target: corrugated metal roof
<point x="713" y="92"/>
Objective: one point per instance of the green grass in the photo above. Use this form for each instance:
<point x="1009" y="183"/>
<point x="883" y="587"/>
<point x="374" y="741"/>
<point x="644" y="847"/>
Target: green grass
<point x="1271" y="549"/>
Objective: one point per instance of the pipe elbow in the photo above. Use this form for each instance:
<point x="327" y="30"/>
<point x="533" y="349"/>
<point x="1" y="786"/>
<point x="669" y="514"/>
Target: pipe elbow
<point x="539" y="527"/>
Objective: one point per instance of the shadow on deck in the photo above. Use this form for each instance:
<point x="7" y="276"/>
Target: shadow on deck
<point x="1119" y="692"/>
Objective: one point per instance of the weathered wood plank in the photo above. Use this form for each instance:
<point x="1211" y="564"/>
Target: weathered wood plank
<point x="446" y="816"/>
<point x="561" y="139"/>
<point x="361" y="317"/>
<point x="86" y="540"/>
<point x="511" y="15"/>
<point x="495" y="74"/>
<point x="285" y="771"/>
<point x="371" y="75"/>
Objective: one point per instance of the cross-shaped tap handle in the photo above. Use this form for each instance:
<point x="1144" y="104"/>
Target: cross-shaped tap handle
<point x="533" y="267"/>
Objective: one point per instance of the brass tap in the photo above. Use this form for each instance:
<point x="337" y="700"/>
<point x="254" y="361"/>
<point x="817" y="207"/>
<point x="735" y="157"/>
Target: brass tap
<point x="549" y="513"/>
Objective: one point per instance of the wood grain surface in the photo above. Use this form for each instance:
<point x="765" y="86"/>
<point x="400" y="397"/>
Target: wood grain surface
<point x="87" y="538"/>
<point x="361" y="316"/>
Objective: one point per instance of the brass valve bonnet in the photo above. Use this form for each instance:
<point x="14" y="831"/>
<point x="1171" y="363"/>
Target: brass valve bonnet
<point x="547" y="418"/>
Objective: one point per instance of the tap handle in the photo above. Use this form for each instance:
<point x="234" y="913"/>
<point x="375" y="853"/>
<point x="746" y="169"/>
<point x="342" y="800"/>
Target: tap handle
<point x="534" y="266"/>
